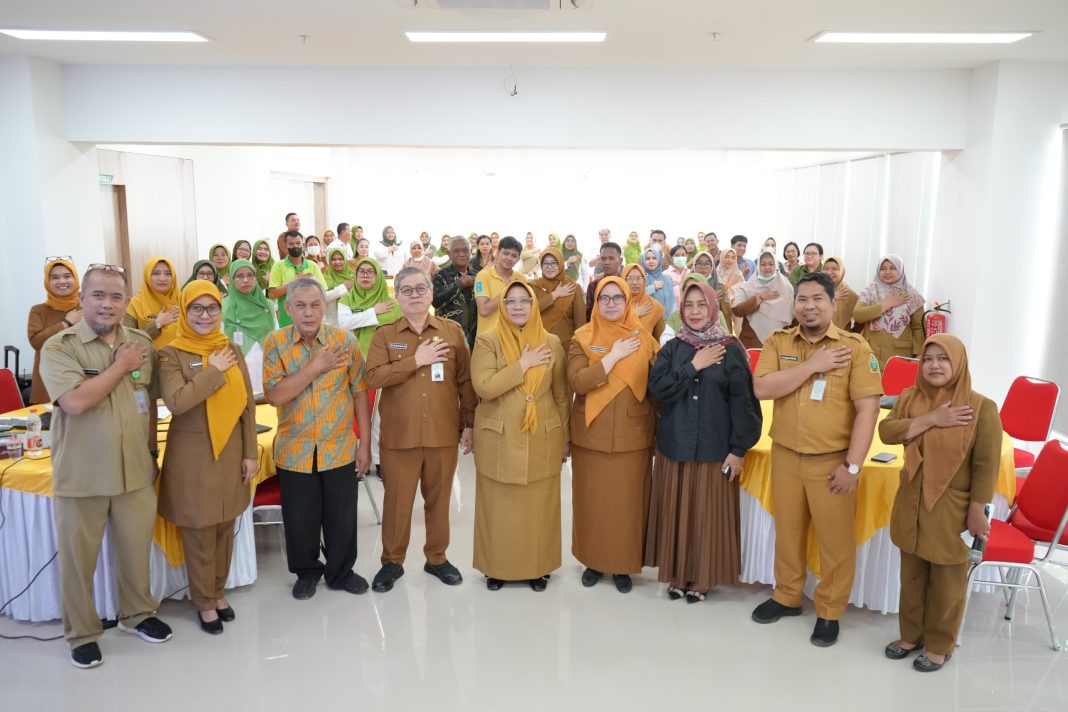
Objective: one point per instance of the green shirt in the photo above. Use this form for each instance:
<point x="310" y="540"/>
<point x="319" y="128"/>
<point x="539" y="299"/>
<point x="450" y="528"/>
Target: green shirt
<point x="284" y="272"/>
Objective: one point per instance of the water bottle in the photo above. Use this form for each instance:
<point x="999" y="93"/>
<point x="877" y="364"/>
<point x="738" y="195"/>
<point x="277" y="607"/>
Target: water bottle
<point x="34" y="441"/>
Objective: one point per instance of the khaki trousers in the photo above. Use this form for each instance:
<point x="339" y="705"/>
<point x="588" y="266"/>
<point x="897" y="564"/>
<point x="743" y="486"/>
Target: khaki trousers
<point x="932" y="602"/>
<point x="80" y="523"/>
<point x="799" y="487"/>
<point x="432" y="470"/>
<point x="207" y="562"/>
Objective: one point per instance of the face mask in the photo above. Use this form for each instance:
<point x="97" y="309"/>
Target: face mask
<point x="313" y="250"/>
<point x="679" y="262"/>
<point x="767" y="279"/>
<point x="295" y="251"/>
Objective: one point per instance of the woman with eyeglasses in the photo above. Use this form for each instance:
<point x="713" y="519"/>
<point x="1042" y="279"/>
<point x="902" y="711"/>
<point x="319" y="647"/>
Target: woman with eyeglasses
<point x="247" y="317"/>
<point x="611" y="436"/>
<point x="205" y="270"/>
<point x="519" y="370"/>
<point x="649" y="311"/>
<point x="812" y="261"/>
<point x="59" y="311"/>
<point x="154" y="309"/>
<point x="211" y="455"/>
<point x="560" y="299"/>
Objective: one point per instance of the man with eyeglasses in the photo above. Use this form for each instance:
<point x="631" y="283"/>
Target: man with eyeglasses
<point x="491" y="282"/>
<point x="454" y="293"/>
<point x="610" y="261"/>
<point x="102" y="378"/>
<point x="421" y="363"/>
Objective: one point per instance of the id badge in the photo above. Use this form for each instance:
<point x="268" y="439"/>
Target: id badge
<point x="818" y="387"/>
<point x="437" y="372"/>
<point x="239" y="338"/>
<point x="140" y="401"/>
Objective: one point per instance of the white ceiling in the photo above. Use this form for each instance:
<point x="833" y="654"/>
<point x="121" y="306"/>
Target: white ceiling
<point x="641" y="33"/>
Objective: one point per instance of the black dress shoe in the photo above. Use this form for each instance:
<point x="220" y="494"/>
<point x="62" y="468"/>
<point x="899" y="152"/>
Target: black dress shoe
<point x="623" y="582"/>
<point x="771" y="610"/>
<point x="445" y="572"/>
<point x="214" y="627"/>
<point x="896" y="652"/>
<point x="226" y="615"/>
<point x="825" y="634"/>
<point x="387" y="576"/>
<point x="539" y="584"/>
<point x="494" y="584"/>
<point x="353" y="583"/>
<point x="304" y="589"/>
<point x="590" y="577"/>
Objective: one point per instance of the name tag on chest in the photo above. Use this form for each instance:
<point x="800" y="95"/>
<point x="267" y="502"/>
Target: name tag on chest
<point x="818" y="388"/>
<point x="787" y="358"/>
<point x="598" y="349"/>
<point x="394" y="345"/>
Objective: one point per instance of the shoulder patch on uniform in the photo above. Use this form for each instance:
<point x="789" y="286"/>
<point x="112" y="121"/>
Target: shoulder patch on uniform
<point x="53" y="347"/>
<point x="478" y="286"/>
<point x="873" y="363"/>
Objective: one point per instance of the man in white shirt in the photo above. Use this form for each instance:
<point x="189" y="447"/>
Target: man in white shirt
<point x="344" y="239"/>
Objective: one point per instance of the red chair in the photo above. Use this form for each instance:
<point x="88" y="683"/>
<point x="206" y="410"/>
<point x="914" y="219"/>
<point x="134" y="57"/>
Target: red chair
<point x="10" y="398"/>
<point x="899" y="374"/>
<point x="1027" y="414"/>
<point x="754" y="356"/>
<point x="267" y="503"/>
<point x="1039" y="516"/>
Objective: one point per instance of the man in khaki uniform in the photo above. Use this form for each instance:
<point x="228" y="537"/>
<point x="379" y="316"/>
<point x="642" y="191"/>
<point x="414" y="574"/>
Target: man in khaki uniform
<point x="102" y="377"/>
<point x="423" y="367"/>
<point x="826" y="386"/>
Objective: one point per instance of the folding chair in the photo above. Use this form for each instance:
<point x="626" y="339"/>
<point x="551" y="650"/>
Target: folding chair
<point x="899" y="374"/>
<point x="754" y="356"/>
<point x="10" y="398"/>
<point x="1027" y="414"/>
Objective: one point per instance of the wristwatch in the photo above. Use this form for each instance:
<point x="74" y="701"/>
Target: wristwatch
<point x="852" y="469"/>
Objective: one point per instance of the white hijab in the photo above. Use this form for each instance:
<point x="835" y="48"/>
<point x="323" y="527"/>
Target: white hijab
<point x="773" y="313"/>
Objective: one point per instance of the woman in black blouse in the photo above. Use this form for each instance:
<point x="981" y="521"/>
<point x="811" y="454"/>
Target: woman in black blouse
<point x="709" y="419"/>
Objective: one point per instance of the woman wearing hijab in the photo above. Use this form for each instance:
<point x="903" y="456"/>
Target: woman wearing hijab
<point x="205" y="270"/>
<point x="704" y="265"/>
<point x="691" y="250"/>
<point x="952" y="438"/>
<point x="632" y="250"/>
<point x="611" y="436"/>
<point x="389" y="253"/>
<point x="339" y="277"/>
<point x="59" y="311"/>
<point x="367" y="305"/>
<point x="242" y="251"/>
<point x="219" y="256"/>
<point x="154" y="309"/>
<point x="891" y="312"/>
<point x="420" y="260"/>
<point x="649" y="311"/>
<point x="709" y="418"/>
<point x="211" y="454"/>
<point x="673" y="324"/>
<point x="262" y="261"/>
<point x="764" y="303"/>
<point x="561" y="302"/>
<point x="730" y="277"/>
<point x="441" y="255"/>
<point x="658" y="285"/>
<point x="574" y="265"/>
<point x="247" y="318"/>
<point x="521" y="436"/>
<point x="554" y="240"/>
<point x="847" y="298"/>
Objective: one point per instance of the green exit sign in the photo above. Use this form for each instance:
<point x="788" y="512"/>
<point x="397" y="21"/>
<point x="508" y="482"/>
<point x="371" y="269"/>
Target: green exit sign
<point x="106" y="179"/>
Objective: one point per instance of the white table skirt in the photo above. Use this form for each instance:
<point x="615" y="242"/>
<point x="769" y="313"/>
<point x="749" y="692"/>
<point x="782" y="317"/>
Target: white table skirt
<point x="28" y="541"/>
<point x="877" y="583"/>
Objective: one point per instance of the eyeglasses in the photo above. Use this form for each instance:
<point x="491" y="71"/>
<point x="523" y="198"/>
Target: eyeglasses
<point x="57" y="258"/>
<point x="418" y="290"/>
<point x="244" y="275"/>
<point x="521" y="302"/>
<point x="607" y="299"/>
<point x="200" y="310"/>
<point x="106" y="268"/>
<point x="366" y="272"/>
<point x="550" y="263"/>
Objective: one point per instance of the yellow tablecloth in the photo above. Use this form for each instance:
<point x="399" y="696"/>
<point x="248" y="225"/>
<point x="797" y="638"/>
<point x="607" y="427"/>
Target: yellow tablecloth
<point x="34" y="476"/>
<point x="875" y="491"/>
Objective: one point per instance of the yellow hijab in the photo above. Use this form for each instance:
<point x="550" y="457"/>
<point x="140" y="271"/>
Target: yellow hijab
<point x="513" y="339"/>
<point x="148" y="303"/>
<point x="226" y="404"/>
<point x="63" y="304"/>
<point x="597" y="338"/>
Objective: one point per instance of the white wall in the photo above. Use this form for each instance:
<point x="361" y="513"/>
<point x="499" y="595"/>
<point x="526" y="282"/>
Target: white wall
<point x="738" y="108"/>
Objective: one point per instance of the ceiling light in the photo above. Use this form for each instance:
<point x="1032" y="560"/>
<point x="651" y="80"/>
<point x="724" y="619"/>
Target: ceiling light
<point x="103" y="36"/>
<point x="921" y="37"/>
<point x="505" y="36"/>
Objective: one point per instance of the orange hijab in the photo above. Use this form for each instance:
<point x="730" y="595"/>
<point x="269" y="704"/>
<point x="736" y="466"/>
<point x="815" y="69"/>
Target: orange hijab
<point x="560" y="307"/>
<point x="226" y="404"/>
<point x="513" y="338"/>
<point x="596" y="340"/>
<point x="650" y="320"/>
<point x="69" y="302"/>
<point x="940" y="450"/>
<point x="148" y="302"/>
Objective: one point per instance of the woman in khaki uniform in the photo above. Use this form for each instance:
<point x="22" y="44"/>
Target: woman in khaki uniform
<point x="952" y="439"/>
<point x="562" y="311"/>
<point x="847" y="298"/>
<point x="154" y="310"/>
<point x="211" y="454"/>
<point x="649" y="311"/>
<point x="612" y="425"/>
<point x="521" y="437"/>
<point x="60" y="310"/>
<point x="891" y="311"/>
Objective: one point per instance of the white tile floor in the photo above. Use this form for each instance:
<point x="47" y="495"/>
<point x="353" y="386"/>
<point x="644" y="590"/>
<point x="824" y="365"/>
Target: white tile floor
<point x="428" y="646"/>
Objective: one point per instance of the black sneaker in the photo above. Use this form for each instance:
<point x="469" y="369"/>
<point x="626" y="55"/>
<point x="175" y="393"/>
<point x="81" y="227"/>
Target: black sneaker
<point x="304" y="588"/>
<point x="387" y="576"/>
<point x="445" y="572"/>
<point x="825" y="634"/>
<point x="623" y="582"/>
<point x="150" y="630"/>
<point x="86" y="656"/>
<point x="771" y="610"/>
<point x="353" y="583"/>
<point x="590" y="577"/>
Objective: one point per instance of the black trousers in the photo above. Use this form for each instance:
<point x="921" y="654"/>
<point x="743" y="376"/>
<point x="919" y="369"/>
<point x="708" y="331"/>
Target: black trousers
<point x="322" y="501"/>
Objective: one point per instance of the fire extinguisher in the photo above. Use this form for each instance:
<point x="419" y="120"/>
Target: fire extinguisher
<point x="935" y="320"/>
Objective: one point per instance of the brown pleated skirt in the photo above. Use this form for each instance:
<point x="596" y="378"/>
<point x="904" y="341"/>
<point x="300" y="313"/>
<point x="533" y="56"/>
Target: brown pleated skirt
<point x="610" y="506"/>
<point x="517" y="528"/>
<point x="694" y="534"/>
